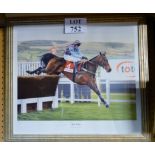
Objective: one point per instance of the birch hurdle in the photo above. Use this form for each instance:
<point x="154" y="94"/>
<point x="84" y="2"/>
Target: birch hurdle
<point x="37" y="90"/>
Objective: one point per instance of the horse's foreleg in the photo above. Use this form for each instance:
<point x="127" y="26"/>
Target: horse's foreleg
<point x="92" y="84"/>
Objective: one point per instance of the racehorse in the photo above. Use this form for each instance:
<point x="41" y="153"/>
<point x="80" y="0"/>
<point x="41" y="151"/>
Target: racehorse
<point x="84" y="76"/>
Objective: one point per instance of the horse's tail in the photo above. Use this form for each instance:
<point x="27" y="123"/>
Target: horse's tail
<point x="46" y="58"/>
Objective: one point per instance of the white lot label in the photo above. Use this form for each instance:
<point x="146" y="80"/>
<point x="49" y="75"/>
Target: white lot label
<point x="75" y="25"/>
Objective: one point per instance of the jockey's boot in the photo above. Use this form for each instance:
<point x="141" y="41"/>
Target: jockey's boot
<point x="75" y="70"/>
<point x="74" y="75"/>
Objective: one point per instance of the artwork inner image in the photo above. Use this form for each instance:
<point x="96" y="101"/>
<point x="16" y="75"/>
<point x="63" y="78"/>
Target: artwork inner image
<point x="86" y="76"/>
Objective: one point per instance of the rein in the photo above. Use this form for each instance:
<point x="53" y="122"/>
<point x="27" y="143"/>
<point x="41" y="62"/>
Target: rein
<point x="87" y="71"/>
<point x="94" y="63"/>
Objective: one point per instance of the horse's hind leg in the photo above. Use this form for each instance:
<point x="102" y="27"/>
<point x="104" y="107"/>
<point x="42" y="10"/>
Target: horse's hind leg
<point x="92" y="84"/>
<point x="36" y="71"/>
<point x="55" y="68"/>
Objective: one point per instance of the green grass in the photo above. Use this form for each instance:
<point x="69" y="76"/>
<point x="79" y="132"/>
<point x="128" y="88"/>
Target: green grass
<point x="123" y="96"/>
<point x="117" y="96"/>
<point x="84" y="111"/>
<point x="30" y="55"/>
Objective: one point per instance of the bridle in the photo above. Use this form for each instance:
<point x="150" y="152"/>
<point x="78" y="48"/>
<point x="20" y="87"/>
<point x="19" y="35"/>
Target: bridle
<point x="99" y="62"/>
<point x="103" y="63"/>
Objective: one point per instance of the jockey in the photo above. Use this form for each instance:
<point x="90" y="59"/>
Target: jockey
<point x="73" y="54"/>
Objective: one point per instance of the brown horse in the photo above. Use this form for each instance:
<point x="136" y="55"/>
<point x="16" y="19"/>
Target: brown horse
<point x="86" y="74"/>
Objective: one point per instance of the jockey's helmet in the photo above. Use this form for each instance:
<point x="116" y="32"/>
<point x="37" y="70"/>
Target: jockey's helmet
<point x="77" y="42"/>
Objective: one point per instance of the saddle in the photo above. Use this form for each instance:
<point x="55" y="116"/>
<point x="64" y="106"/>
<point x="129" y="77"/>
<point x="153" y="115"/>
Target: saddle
<point x="69" y="67"/>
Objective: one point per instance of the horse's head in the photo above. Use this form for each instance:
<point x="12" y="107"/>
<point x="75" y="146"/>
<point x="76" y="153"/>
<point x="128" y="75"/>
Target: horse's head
<point x="103" y="61"/>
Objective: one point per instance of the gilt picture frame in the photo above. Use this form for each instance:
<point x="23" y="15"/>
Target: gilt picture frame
<point x="132" y="32"/>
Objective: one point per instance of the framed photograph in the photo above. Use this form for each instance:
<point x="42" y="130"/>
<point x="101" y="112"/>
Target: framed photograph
<point x="76" y="78"/>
